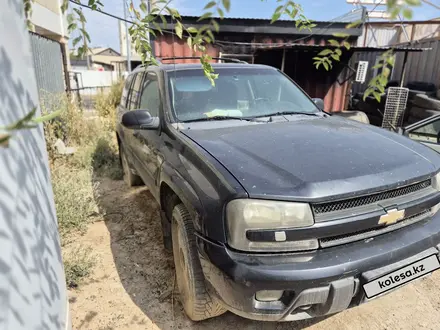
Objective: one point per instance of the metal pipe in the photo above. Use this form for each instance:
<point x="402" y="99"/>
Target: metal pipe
<point x="127" y="39"/>
<point x="402" y="76"/>
<point x="404" y="30"/>
<point x="283" y="61"/>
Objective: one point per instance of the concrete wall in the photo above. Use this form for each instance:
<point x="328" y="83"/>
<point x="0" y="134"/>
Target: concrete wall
<point x="32" y="285"/>
<point x="90" y="78"/>
<point x="48" y="19"/>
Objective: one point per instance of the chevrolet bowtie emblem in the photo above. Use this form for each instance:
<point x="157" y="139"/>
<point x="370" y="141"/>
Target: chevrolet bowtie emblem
<point x="391" y="217"/>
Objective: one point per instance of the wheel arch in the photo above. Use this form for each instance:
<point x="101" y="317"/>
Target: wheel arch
<point x="174" y="189"/>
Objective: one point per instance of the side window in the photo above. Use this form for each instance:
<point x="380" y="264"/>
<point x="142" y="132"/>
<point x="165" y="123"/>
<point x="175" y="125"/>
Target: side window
<point x="126" y="90"/>
<point x="150" y="98"/>
<point x="427" y="133"/>
<point x="134" y="92"/>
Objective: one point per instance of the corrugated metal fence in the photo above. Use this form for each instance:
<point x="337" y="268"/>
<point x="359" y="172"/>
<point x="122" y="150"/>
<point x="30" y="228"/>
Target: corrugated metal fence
<point x="371" y="58"/>
<point x="424" y="66"/>
<point x="421" y="66"/>
<point x="48" y="62"/>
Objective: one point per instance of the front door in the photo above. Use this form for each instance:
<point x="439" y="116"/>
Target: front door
<point x="148" y="141"/>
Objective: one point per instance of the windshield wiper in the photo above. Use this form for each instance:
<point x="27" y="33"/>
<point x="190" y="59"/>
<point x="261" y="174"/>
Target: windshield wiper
<point x="282" y="113"/>
<point x="217" y="118"/>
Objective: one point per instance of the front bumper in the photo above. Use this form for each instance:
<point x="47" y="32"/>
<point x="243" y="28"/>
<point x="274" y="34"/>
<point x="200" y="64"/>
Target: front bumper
<point x="315" y="284"/>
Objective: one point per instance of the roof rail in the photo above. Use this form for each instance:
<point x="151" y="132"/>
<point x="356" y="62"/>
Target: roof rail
<point x="227" y="59"/>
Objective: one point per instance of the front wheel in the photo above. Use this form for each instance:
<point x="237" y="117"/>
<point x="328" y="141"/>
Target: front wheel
<point x="196" y="301"/>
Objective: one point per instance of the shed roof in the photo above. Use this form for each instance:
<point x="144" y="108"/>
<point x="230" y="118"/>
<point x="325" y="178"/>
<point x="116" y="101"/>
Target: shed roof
<point x="244" y="25"/>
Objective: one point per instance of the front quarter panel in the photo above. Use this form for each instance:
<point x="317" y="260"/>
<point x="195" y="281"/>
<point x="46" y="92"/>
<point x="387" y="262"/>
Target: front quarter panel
<point x="201" y="183"/>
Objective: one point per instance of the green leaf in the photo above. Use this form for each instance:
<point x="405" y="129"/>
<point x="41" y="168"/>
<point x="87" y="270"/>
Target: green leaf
<point x="335" y="57"/>
<point x="64" y="6"/>
<point x="191" y="29"/>
<point x="179" y="29"/>
<point x="72" y="27"/>
<point x="86" y="34"/>
<point x="341" y="35"/>
<point x="21" y="122"/>
<point x="164" y="21"/>
<point x="334" y="42"/>
<point x="347" y="45"/>
<point x="317" y="58"/>
<point x="377" y="96"/>
<point x="382" y="80"/>
<point x="227" y="4"/>
<point x="205" y="16"/>
<point x="215" y="25"/>
<point x="221" y="12"/>
<point x="353" y="24"/>
<point x="278" y="9"/>
<point x="407" y="13"/>
<point x="413" y="2"/>
<point x="391" y="60"/>
<point x="325" y="52"/>
<point x="143" y="7"/>
<point x="189" y="42"/>
<point x="326" y="65"/>
<point x="210" y="34"/>
<point x="395" y="12"/>
<point x="76" y="41"/>
<point x="210" y="5"/>
<point x="157" y="27"/>
<point x="378" y="65"/>
<point x="275" y="17"/>
<point x="47" y="117"/>
<point x="338" y="51"/>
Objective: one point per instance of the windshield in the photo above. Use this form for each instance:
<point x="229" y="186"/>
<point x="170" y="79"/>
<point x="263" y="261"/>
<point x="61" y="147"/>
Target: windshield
<point x="243" y="93"/>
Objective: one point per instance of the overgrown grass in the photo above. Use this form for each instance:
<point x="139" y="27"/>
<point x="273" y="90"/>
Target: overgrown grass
<point x="106" y="103"/>
<point x="78" y="265"/>
<point x="74" y="177"/>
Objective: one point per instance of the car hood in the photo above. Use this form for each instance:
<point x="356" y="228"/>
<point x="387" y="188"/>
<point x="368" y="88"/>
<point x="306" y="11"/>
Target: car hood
<point x="315" y="158"/>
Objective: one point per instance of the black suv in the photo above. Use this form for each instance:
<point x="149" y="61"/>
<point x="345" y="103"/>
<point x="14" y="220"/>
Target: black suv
<point x="274" y="209"/>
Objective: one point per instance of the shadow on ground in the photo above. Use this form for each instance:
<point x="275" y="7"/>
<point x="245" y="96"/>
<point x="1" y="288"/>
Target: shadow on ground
<point x="145" y="269"/>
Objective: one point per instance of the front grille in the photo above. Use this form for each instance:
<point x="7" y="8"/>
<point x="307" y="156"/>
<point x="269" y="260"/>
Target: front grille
<point x="368" y="233"/>
<point x="321" y="208"/>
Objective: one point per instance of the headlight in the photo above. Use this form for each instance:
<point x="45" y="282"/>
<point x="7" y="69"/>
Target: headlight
<point x="271" y="218"/>
<point x="436" y="182"/>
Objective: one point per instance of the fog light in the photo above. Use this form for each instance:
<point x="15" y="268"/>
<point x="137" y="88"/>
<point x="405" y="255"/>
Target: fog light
<point x="269" y="295"/>
<point x="435" y="209"/>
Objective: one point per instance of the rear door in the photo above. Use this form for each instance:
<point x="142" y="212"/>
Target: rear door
<point x="426" y="131"/>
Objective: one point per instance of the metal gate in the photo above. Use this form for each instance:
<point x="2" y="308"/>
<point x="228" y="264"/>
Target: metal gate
<point x="48" y="63"/>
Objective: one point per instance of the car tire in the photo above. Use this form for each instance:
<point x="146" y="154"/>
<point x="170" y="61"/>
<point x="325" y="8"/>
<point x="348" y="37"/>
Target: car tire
<point x="130" y="179"/>
<point x="196" y="301"/>
<point x="421" y="86"/>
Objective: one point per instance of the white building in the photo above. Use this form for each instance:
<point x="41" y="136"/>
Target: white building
<point x="49" y="21"/>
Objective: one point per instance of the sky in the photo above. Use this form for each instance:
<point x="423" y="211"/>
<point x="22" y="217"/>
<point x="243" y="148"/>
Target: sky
<point x="104" y="31"/>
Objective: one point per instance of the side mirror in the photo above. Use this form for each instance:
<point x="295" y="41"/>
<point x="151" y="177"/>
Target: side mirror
<point x="140" y="119"/>
<point x="319" y="103"/>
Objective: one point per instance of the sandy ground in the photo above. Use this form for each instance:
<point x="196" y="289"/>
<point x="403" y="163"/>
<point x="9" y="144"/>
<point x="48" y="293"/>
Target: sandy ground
<point x="128" y="289"/>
